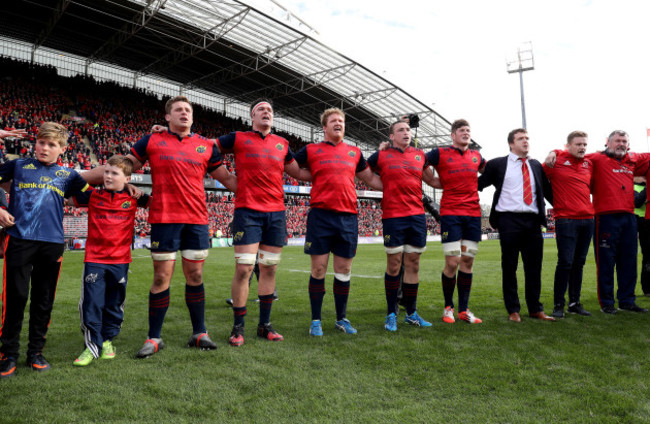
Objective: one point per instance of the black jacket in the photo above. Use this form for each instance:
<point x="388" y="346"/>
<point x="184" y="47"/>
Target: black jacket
<point x="495" y="172"/>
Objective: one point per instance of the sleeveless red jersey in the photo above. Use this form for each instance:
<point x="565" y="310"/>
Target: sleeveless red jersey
<point x="333" y="168"/>
<point x="458" y="172"/>
<point x="401" y="176"/>
<point x="178" y="167"/>
<point x="259" y="162"/>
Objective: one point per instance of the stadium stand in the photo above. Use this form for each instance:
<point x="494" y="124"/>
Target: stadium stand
<point x="105" y="118"/>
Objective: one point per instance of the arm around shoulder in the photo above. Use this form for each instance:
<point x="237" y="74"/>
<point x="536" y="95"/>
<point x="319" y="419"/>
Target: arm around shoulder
<point x="293" y="170"/>
<point x="229" y="180"/>
<point x="371" y="179"/>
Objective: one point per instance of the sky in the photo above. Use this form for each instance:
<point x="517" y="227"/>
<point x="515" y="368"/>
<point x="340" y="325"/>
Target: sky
<point x="592" y="62"/>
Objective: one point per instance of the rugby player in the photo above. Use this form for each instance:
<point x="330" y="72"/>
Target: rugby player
<point x="259" y="222"/>
<point x="179" y="160"/>
<point x="332" y="222"/>
<point x="402" y="169"/>
<point x="460" y="227"/>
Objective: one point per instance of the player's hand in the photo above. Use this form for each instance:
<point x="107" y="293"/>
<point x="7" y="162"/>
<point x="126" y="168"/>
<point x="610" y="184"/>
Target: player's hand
<point x="13" y="133"/>
<point x="6" y="219"/>
<point x="133" y="191"/>
<point x="550" y="159"/>
<point x="158" y="128"/>
<point x="384" y="145"/>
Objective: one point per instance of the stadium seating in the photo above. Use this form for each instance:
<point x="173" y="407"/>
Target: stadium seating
<point x="105" y="118"/>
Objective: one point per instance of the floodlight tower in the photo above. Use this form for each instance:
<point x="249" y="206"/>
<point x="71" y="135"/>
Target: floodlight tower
<point x="524" y="62"/>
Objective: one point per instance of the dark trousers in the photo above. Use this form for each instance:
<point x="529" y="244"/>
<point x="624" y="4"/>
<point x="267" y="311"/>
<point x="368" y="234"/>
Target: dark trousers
<point x="573" y="237"/>
<point x="615" y="247"/>
<point x="521" y="233"/>
<point x="643" y="226"/>
<point x="101" y="306"/>
<point x="40" y="261"/>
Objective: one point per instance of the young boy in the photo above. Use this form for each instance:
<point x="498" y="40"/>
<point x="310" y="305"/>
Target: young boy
<point x="111" y="218"/>
<point x="34" y="223"/>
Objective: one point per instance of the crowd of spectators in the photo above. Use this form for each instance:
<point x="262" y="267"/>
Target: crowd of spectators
<point x="105" y="118"/>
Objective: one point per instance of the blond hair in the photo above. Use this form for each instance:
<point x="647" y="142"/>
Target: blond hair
<point x="328" y="112"/>
<point x="53" y="131"/>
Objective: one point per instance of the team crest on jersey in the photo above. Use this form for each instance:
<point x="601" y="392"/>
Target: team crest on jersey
<point x="475" y="160"/>
<point x="201" y="149"/>
<point x="155" y="244"/>
<point x="585" y="164"/>
<point x="30" y="166"/>
<point x="238" y="235"/>
<point x="45" y="179"/>
<point x="91" y="278"/>
<point x="62" y="173"/>
<point x="279" y="146"/>
<point x="418" y="158"/>
<point x="126" y="204"/>
<point x="352" y="153"/>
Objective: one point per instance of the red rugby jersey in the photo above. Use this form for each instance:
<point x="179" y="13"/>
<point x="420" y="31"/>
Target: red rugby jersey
<point x="458" y="172"/>
<point x="259" y="162"/>
<point x="178" y="167"/>
<point x="332" y="168"/>
<point x="111" y="216"/>
<point x="571" y="182"/>
<point x="613" y="181"/>
<point x="401" y="175"/>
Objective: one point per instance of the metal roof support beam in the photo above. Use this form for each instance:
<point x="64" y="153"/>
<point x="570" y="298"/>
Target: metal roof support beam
<point x="252" y="64"/>
<point x="59" y="10"/>
<point x="300" y="84"/>
<point x="207" y="39"/>
<point x="128" y="30"/>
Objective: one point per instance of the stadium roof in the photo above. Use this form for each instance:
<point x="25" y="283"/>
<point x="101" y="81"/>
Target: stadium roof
<point x="225" y="47"/>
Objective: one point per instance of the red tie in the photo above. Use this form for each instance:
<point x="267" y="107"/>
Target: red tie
<point x="528" y="192"/>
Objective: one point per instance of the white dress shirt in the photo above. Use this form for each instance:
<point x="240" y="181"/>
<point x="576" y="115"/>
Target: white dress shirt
<point x="512" y="192"/>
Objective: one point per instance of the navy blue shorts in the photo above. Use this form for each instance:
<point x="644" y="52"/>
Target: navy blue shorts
<point x="174" y="237"/>
<point x="250" y="227"/>
<point x="458" y="227"/>
<point x="411" y="230"/>
<point x="329" y="231"/>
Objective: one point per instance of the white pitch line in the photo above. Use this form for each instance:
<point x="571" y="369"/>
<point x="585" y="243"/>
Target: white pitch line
<point x="331" y="273"/>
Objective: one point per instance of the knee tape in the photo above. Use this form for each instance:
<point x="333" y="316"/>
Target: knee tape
<point x="412" y="249"/>
<point x="343" y="277"/>
<point x="194" y="255"/>
<point x="452" y="248"/>
<point x="245" y="258"/>
<point x="164" y="256"/>
<point x="394" y="249"/>
<point x="471" y="248"/>
<point x="269" y="258"/>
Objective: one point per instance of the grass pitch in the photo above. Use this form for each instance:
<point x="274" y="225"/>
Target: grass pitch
<point x="581" y="369"/>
